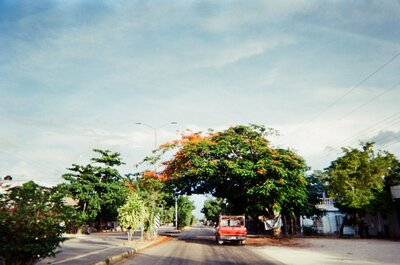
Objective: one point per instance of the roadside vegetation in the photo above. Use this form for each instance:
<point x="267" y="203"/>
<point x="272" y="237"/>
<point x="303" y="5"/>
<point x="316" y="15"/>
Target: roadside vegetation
<point x="239" y="167"/>
<point x="359" y="182"/>
<point x="32" y="221"/>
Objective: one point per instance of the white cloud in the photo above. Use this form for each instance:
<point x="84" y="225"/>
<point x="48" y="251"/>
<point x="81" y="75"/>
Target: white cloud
<point x="242" y="14"/>
<point x="234" y="52"/>
<point x="76" y="80"/>
<point x="386" y="137"/>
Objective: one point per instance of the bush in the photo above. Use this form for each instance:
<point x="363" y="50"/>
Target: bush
<point x="31" y="225"/>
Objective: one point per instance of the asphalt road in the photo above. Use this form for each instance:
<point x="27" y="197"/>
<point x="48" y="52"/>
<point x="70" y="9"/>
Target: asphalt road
<point x="197" y="246"/>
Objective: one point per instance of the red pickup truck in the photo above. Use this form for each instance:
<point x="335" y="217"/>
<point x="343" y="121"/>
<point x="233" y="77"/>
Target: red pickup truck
<point x="231" y="228"/>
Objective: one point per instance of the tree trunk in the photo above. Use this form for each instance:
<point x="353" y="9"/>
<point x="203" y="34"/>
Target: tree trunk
<point x="141" y="233"/>
<point x="129" y="232"/>
<point x="285" y="226"/>
<point x="100" y="226"/>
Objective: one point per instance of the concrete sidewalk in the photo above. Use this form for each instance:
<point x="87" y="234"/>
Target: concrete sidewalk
<point x="100" y="248"/>
<point x="335" y="251"/>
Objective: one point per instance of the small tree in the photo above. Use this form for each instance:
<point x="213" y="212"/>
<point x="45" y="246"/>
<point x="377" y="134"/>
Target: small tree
<point x="185" y="208"/>
<point x="213" y="208"/>
<point x="132" y="215"/>
<point x="30" y="226"/>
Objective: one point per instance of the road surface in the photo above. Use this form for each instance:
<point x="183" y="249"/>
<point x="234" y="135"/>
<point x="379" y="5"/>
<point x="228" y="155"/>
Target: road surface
<point x="197" y="246"/>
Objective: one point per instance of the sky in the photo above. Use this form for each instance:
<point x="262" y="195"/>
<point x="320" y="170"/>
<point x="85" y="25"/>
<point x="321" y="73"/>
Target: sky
<point x="78" y="75"/>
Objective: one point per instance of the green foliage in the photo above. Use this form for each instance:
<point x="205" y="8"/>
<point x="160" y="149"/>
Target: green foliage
<point x="316" y="187"/>
<point x="98" y="187"/>
<point x="185" y="208"/>
<point x="239" y="165"/>
<point x="357" y="179"/>
<point x="158" y="200"/>
<point x="151" y="200"/>
<point x="393" y="176"/>
<point x="30" y="218"/>
<point x="133" y="214"/>
<point x="213" y="208"/>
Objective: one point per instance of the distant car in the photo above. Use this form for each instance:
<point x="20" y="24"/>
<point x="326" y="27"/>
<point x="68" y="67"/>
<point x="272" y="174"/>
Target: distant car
<point x="231" y="228"/>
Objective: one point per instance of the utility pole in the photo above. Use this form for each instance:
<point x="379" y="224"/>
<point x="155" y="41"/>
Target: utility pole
<point x="176" y="211"/>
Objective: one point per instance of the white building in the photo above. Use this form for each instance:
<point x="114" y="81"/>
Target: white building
<point x="8" y="182"/>
<point x="330" y="223"/>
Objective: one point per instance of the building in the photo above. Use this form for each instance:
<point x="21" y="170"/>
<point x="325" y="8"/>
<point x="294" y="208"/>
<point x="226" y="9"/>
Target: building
<point x="328" y="224"/>
<point x="8" y="182"/>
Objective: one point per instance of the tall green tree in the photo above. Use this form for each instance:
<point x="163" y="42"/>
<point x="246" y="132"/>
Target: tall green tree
<point x="31" y="223"/>
<point x="241" y="166"/>
<point x="357" y="178"/>
<point x="98" y="187"/>
<point x="360" y="180"/>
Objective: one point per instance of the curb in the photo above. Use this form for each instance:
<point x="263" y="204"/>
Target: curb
<point x="116" y="258"/>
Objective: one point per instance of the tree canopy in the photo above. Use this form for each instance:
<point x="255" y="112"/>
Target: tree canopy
<point x="358" y="180"/>
<point x="98" y="187"/>
<point x="241" y="166"/>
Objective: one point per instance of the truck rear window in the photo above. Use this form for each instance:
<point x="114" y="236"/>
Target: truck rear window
<point x="230" y="222"/>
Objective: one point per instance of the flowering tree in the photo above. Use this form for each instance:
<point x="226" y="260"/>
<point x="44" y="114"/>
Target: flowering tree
<point x="241" y="166"/>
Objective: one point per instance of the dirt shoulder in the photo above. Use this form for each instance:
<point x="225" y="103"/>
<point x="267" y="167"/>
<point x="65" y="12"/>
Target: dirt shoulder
<point x="328" y="250"/>
<point x="287" y="242"/>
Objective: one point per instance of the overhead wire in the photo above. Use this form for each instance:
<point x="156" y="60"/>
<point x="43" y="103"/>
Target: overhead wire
<point x="383" y="124"/>
<point x="369" y="101"/>
<point x="392" y="143"/>
<point x="354" y="87"/>
<point x="392" y="118"/>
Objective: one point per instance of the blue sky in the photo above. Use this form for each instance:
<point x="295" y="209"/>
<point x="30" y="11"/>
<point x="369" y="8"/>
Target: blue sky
<point x="78" y="75"/>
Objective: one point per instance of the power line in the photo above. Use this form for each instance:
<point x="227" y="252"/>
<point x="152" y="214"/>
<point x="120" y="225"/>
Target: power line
<point x="369" y="101"/>
<point x="354" y="87"/>
<point x="389" y="139"/>
<point x="389" y="121"/>
<point x="396" y="138"/>
<point x="376" y="127"/>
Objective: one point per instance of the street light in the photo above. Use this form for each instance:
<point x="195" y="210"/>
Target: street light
<point x="155" y="129"/>
<point x="155" y="166"/>
<point x="176" y="211"/>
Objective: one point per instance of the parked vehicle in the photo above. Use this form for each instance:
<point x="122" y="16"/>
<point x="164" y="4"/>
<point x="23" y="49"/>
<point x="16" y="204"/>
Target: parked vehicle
<point x="231" y="228"/>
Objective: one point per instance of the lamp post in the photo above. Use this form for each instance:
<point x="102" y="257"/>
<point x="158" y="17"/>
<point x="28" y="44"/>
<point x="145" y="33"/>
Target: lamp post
<point x="155" y="129"/>
<point x="176" y="211"/>
<point x="155" y="165"/>
<point x="155" y="134"/>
